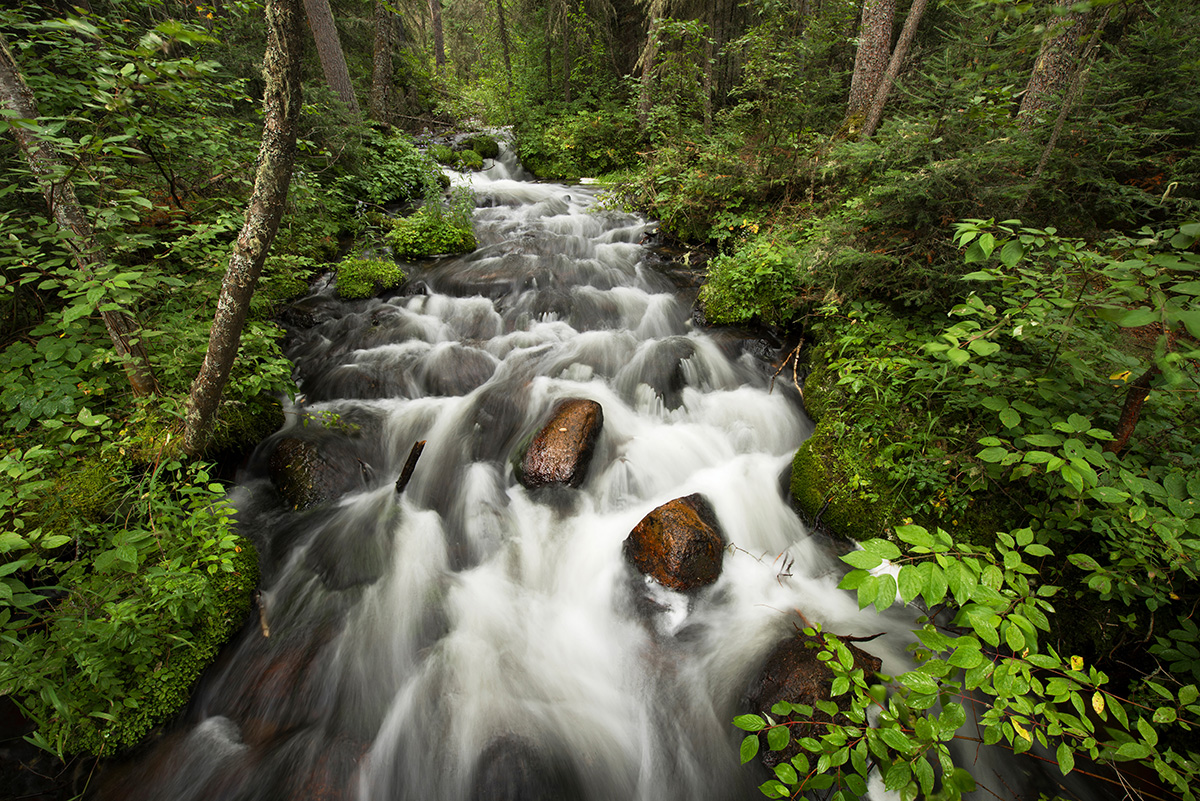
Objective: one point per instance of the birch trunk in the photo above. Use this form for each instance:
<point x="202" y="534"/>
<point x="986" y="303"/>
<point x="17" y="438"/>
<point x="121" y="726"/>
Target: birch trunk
<point x="276" y="157"/>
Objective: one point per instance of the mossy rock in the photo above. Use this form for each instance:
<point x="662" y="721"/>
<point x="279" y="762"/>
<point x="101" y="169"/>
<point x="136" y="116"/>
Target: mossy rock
<point x="486" y="146"/>
<point x="470" y="160"/>
<point x="833" y="485"/>
<point x="443" y="154"/>
<point x="363" y="278"/>
<point x="284" y="279"/>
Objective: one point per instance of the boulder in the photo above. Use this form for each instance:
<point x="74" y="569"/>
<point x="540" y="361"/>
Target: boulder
<point x="562" y="450"/>
<point x="305" y="476"/>
<point x="679" y="544"/>
<point x="793" y="673"/>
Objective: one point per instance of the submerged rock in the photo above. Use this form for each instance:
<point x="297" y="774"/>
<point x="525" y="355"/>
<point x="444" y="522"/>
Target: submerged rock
<point x="562" y="451"/>
<point x="793" y="673"/>
<point x="305" y="475"/>
<point x="679" y="544"/>
<point x="511" y="769"/>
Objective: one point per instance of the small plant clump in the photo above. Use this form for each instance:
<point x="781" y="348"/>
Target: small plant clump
<point x="435" y="229"/>
<point x="361" y="278"/>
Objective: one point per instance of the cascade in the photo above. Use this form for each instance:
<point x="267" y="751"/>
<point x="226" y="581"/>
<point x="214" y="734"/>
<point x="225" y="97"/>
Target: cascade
<point x="470" y="637"/>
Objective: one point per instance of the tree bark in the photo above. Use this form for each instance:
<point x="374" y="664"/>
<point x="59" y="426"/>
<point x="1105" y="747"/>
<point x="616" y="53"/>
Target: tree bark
<point x="329" y="49"/>
<point x="504" y="44"/>
<point x="45" y="164"/>
<point x="1053" y="68"/>
<point x="439" y="44"/>
<point x="871" y="59"/>
<point x="649" y="54"/>
<point x="381" y="64"/>
<point x="276" y="157"/>
<point x="875" y="114"/>
<point x="1135" y="396"/>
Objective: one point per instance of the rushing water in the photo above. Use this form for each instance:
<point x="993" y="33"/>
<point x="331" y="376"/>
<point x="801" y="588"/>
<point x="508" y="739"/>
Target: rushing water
<point x="471" y="638"/>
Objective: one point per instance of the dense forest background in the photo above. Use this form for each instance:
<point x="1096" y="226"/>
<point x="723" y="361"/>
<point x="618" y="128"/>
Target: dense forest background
<point x="972" y="224"/>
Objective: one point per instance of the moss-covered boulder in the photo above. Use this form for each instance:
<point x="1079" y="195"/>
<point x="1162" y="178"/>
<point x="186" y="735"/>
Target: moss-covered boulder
<point x="486" y="146"/>
<point x="361" y="278"/>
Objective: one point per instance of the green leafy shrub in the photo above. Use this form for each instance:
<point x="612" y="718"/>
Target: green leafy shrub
<point x="566" y="145"/>
<point x="361" y="278"/>
<point x="758" y="281"/>
<point x="108" y="624"/>
<point x="435" y="229"/>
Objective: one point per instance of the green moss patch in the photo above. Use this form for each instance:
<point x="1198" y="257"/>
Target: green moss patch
<point x="362" y="278"/>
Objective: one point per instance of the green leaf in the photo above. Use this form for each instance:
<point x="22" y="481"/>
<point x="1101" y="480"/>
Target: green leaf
<point x="749" y="723"/>
<point x="1066" y="758"/>
<point x="1135" y="318"/>
<point x="915" y="535"/>
<point x="1107" y="494"/>
<point x="882" y="548"/>
<point x="1083" y="561"/>
<point x="958" y="356"/>
<point x="749" y="748"/>
<point x="1011" y="253"/>
<point x="983" y="347"/>
<point x="1010" y="417"/>
<point x="778" y="738"/>
<point x="909" y="582"/>
<point x="786" y="773"/>
<point x="885" y="596"/>
<point x="863" y="560"/>
<point x="1133" y="751"/>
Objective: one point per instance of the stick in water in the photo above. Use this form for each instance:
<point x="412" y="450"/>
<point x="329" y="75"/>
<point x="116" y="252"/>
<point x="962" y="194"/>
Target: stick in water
<point x="409" y="465"/>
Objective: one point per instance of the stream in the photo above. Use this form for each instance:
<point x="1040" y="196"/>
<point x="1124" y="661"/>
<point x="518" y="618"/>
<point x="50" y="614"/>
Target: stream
<point x="473" y="639"/>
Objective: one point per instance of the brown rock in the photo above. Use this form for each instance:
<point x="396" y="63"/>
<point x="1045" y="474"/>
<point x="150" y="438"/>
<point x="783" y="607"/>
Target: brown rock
<point x="562" y="450"/>
<point x="793" y="673"/>
<point x="679" y="544"/>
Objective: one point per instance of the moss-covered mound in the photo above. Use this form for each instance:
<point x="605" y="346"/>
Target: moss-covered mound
<point x="361" y="278"/>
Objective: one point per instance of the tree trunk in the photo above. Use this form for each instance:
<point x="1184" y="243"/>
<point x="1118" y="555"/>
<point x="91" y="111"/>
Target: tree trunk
<point x="276" y="156"/>
<point x="1135" y="396"/>
<point x="649" y="54"/>
<point x="871" y="59"/>
<point x="875" y="114"/>
<point x="44" y="162"/>
<point x="381" y="64"/>
<point x="709" y="55"/>
<point x="1053" y="68"/>
<point x="439" y="44"/>
<point x="567" y="60"/>
<point x="329" y="49"/>
<point x="504" y="44"/>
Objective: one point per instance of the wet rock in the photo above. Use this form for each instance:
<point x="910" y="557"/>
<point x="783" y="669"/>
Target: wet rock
<point x="793" y="673"/>
<point x="305" y="475"/>
<point x="511" y="769"/>
<point x="679" y="544"/>
<point x="312" y="310"/>
<point x="562" y="450"/>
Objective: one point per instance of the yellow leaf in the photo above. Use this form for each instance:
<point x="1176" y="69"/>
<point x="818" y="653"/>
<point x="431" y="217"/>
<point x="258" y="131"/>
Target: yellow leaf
<point x="1121" y="376"/>
<point x="1016" y="724"/>
<point x="1077" y="663"/>
<point x="1098" y="703"/>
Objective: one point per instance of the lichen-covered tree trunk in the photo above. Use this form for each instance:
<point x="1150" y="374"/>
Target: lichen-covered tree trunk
<point x="1055" y="64"/>
<point x="46" y="165"/>
<point x="276" y="157"/>
<point x="649" y="54"/>
<point x="899" y="53"/>
<point x="329" y="49"/>
<point x="381" y="63"/>
<point x="871" y="58"/>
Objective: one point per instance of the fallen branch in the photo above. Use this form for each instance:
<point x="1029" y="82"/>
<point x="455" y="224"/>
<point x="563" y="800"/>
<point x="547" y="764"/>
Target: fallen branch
<point x="409" y="466"/>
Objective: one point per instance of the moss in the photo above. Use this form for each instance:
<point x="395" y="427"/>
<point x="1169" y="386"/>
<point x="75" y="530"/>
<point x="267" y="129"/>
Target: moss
<point x="486" y="146"/>
<point x="470" y="160"/>
<point x="241" y="425"/>
<point x="443" y="154"/>
<point x="362" y="278"/>
<point x="835" y="484"/>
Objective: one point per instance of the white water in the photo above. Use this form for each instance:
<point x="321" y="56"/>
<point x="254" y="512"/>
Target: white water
<point x="474" y="639"/>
